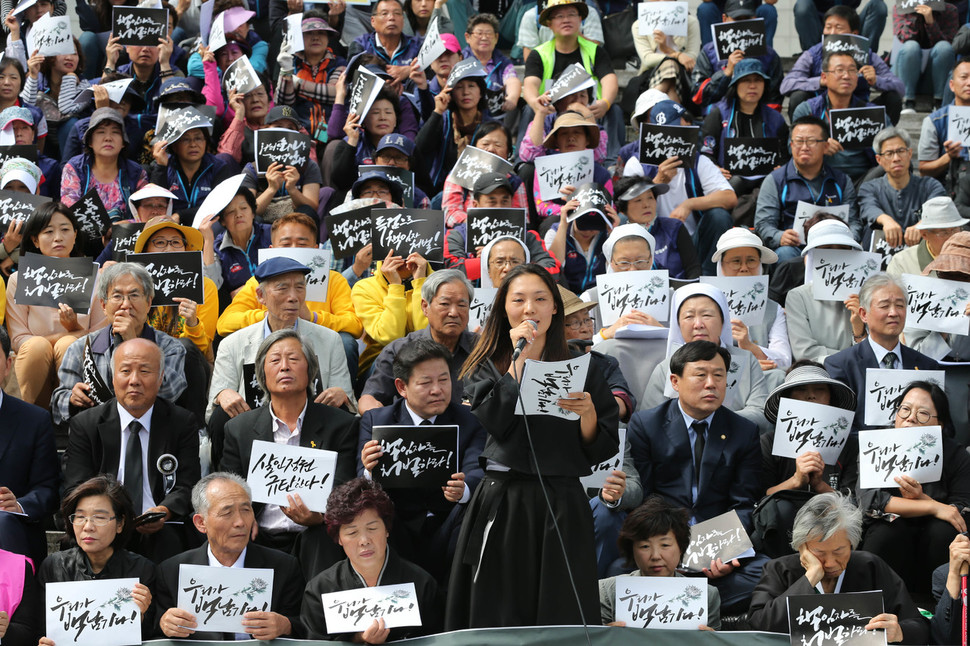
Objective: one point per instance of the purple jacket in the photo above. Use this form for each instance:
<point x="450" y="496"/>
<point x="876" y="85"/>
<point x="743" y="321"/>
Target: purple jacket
<point x="804" y="75"/>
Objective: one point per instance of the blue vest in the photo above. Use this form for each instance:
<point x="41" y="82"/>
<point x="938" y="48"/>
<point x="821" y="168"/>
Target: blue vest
<point x="792" y="189"/>
<point x="666" y="255"/>
<point x="771" y="124"/>
<point x="580" y="275"/>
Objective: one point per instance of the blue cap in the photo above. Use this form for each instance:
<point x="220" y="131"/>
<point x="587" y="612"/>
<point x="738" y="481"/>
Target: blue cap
<point x="277" y="267"/>
<point x="397" y="192"/>
<point x="396" y="141"/>
<point x="747" y="67"/>
<point x="667" y="113"/>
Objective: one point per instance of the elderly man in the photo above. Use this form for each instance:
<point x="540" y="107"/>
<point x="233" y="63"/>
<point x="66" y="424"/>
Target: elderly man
<point x="940" y="220"/>
<point x="224" y="513"/>
<point x="882" y="308"/>
<point x="282" y="290"/>
<point x="148" y="443"/>
<point x="388" y="41"/>
<point x="938" y="155"/>
<point x="126" y="292"/>
<point x="807" y="177"/>
<point x="698" y="454"/>
<point x="827" y="531"/>
<point x="427" y="522"/>
<point x="445" y="298"/>
<point x="286" y="370"/>
<point x="893" y="202"/>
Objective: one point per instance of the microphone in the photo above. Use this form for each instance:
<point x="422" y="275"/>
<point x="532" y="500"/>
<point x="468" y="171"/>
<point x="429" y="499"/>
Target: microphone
<point x="520" y="346"/>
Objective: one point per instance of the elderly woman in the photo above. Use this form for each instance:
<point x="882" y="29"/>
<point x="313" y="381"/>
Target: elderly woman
<point x="358" y="519"/>
<point x="701" y="312"/>
<point x="929" y="515"/>
<point x="827" y="531"/>
<point x="41" y="335"/>
<point x="99" y="519"/>
<point x="499" y="256"/>
<point x="230" y="258"/>
<point x="654" y="537"/>
<point x="741" y="253"/>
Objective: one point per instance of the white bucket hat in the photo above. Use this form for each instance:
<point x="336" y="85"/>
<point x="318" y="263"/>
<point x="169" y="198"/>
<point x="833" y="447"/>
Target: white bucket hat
<point x="741" y="238"/>
<point x="940" y="213"/>
<point x="829" y="232"/>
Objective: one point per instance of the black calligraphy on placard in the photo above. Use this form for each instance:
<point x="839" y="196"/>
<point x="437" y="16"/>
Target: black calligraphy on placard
<point x="480" y="307"/>
<point x="835" y="619"/>
<point x="668" y="17"/>
<point x="282" y="146"/>
<point x="51" y="36"/>
<point x="91" y="215"/>
<point x="253" y="393"/>
<point x="572" y="79"/>
<point x="746" y="35"/>
<point x="353" y="610"/>
<point x="805" y="431"/>
<point x="208" y="600"/>
<point x="408" y="231"/>
<point x="92" y="616"/>
<point x="958" y="124"/>
<point x="400" y="176"/>
<point x="836" y="279"/>
<point x="852" y="44"/>
<point x="432" y="46"/>
<point x="544" y="383"/>
<point x="416" y="456"/>
<point x="485" y="225"/>
<point x="658" y="143"/>
<point x="475" y="162"/>
<point x="139" y="26"/>
<point x="618" y="297"/>
<point x="18" y="206"/>
<point x="856" y="128"/>
<point x="47" y="281"/>
<point x="124" y="235"/>
<point x="278" y="470"/>
<point x="176" y="274"/>
<point x="722" y="537"/>
<point x="349" y="232"/>
<point x="563" y="169"/>
<point x="750" y="156"/>
<point x="659" y="610"/>
<point x="887" y="458"/>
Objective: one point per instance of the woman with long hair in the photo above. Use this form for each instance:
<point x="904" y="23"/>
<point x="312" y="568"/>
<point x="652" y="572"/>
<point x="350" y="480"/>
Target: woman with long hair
<point x="54" y="85"/>
<point x="509" y="532"/>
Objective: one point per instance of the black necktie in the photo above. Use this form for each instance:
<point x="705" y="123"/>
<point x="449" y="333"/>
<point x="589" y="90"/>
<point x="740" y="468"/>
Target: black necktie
<point x="889" y="361"/>
<point x="133" y="471"/>
<point x="426" y="422"/>
<point x="700" y="430"/>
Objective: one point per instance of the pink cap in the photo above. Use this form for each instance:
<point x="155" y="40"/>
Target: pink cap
<point x="235" y="17"/>
<point x="451" y="42"/>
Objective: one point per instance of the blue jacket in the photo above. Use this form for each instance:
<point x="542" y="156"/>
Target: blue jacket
<point x="136" y="125"/>
<point x="189" y="195"/>
<point x="51" y="170"/>
<point x="238" y="264"/>
<point x="666" y="255"/>
<point x="771" y="124"/>
<point x="792" y="188"/>
<point x="409" y="48"/>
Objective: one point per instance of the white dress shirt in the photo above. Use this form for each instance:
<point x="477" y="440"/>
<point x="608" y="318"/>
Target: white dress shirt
<point x="881" y="353"/>
<point x="272" y="519"/>
<point x="147" y="500"/>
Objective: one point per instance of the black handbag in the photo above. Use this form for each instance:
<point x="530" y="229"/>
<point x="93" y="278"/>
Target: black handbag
<point x="618" y="33"/>
<point x="773" y="519"/>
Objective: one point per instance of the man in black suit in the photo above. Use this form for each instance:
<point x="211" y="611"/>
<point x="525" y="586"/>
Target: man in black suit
<point x="287" y="371"/>
<point x="29" y="473"/>
<point x="224" y="513"/>
<point x="702" y="456"/>
<point x="882" y="307"/>
<point x="149" y="444"/>
<point x="426" y="520"/>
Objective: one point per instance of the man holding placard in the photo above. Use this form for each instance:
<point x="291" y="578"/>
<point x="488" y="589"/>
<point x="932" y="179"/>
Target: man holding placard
<point x="388" y="40"/>
<point x="224" y="513"/>
<point x="147" y="65"/>
<point x="940" y="155"/>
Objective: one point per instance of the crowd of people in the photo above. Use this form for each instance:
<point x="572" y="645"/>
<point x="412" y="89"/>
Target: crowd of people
<point x="130" y="426"/>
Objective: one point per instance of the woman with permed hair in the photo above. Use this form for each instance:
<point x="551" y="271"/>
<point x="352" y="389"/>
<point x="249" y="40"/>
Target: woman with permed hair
<point x="358" y="518"/>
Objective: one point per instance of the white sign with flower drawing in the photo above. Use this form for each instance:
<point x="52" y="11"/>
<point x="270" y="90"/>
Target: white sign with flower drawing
<point x="352" y="611"/>
<point x="937" y="305"/>
<point x="317" y="260"/>
<point x="884" y="454"/>
<point x="93" y="612"/>
<point x="564" y="169"/>
<point x="884" y="386"/>
<point x="806" y="426"/>
<point x="220" y="596"/>
<point x="645" y="290"/>
<point x="747" y="296"/>
<point x="838" y="273"/>
<point x="674" y="603"/>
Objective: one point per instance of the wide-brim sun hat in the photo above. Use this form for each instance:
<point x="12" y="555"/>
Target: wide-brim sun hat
<point x="573" y="120"/>
<point x="741" y="238"/>
<point x="940" y="213"/>
<point x="193" y="237"/>
<point x="954" y="256"/>
<point x="842" y="396"/>
<point x="572" y="303"/>
<point x="544" y="11"/>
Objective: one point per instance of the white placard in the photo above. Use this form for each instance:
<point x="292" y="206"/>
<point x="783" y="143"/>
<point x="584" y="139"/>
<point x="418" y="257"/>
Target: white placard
<point x="603" y="470"/>
<point x="276" y="470"/>
<point x="958" y="124"/>
<point x="353" y="611"/>
<point x="886" y="453"/>
<point x="805" y="210"/>
<point x="563" y="169"/>
<point x="937" y="305"/>
<point x="318" y="260"/>
<point x="294" y="32"/>
<point x="806" y="426"/>
<point x="220" y="596"/>
<point x="93" y="612"/>
<point x="217" y="32"/>
<point x="646" y="290"/>
<point x="544" y="383"/>
<point x="839" y="273"/>
<point x="481" y="307"/>
<point x="884" y="386"/>
<point x="747" y="296"/>
<point x="672" y="603"/>
<point x="116" y="90"/>
<point x="23" y="6"/>
<point x="51" y="35"/>
<point x="432" y="47"/>
<point x="218" y="199"/>
<point x="668" y="17"/>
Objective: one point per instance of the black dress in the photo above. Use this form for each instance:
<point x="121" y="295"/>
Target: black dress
<point x="342" y="576"/>
<point x="509" y="568"/>
<point x="73" y="565"/>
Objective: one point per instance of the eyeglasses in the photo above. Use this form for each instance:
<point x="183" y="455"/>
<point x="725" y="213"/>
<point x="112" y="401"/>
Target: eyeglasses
<point x="99" y="521"/>
<point x="626" y="265"/>
<point x="482" y="34"/>
<point x="376" y="192"/>
<point x="890" y="154"/>
<point x="581" y="323"/>
<point x="498" y="263"/>
<point x="844" y="71"/>
<point x="162" y="244"/>
<point x="806" y="143"/>
<point x="922" y="415"/>
<point x="132" y="297"/>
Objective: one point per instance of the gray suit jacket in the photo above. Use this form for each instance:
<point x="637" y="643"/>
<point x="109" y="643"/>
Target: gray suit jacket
<point x="816" y="329"/>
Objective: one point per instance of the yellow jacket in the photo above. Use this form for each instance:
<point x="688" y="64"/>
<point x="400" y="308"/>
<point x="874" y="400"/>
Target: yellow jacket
<point x="336" y="313"/>
<point x="387" y="311"/>
<point x="207" y="312"/>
